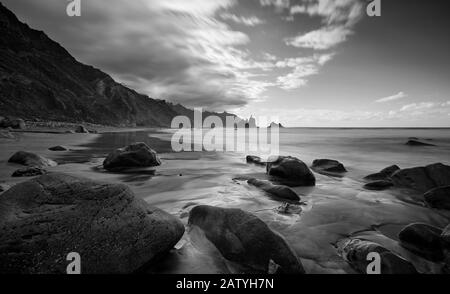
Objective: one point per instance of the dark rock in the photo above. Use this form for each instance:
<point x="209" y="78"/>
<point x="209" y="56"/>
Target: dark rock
<point x="29" y="172"/>
<point x="58" y="148"/>
<point x="81" y="130"/>
<point x="384" y="174"/>
<point x="438" y="198"/>
<point x="413" y="138"/>
<point x="356" y="251"/>
<point x="111" y="229"/>
<point x="132" y="156"/>
<point x="417" y="143"/>
<point x="290" y="171"/>
<point x="243" y="238"/>
<point x="255" y="160"/>
<point x="328" y="166"/>
<point x="31" y="159"/>
<point x="423" y="178"/>
<point x="279" y="191"/>
<point x="378" y="185"/>
<point x="422" y="239"/>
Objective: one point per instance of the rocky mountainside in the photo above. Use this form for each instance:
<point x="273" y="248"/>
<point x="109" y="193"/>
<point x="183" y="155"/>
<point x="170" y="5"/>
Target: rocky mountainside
<point x="40" y="80"/>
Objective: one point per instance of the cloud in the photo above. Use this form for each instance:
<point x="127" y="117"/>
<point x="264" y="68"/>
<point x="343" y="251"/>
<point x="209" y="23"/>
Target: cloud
<point x="279" y="5"/>
<point x="176" y="50"/>
<point x="338" y="18"/>
<point x="303" y="67"/>
<point x="322" y="39"/>
<point x="343" y="12"/>
<point x="398" y="96"/>
<point x="247" y="21"/>
<point x="419" y="106"/>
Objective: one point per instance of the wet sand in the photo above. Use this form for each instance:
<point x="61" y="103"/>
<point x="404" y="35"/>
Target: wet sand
<point x="335" y="209"/>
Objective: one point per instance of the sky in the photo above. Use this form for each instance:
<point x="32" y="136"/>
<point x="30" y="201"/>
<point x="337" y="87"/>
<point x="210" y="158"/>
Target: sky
<point x="312" y="63"/>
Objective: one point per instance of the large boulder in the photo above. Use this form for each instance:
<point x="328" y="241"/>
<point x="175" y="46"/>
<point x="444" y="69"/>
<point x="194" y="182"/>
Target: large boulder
<point x="422" y="239"/>
<point x="290" y="171"/>
<point x="423" y="179"/>
<point x="133" y="156"/>
<point x="384" y="174"/>
<point x="328" y="166"/>
<point x="278" y="191"/>
<point x="356" y="253"/>
<point x="438" y="198"/>
<point x="29" y="172"/>
<point x="243" y="238"/>
<point x="31" y="159"/>
<point x="45" y="219"/>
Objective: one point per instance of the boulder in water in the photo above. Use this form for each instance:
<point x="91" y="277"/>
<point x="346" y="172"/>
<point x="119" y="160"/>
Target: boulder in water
<point x="438" y="198"/>
<point x="290" y="171"/>
<point x="46" y="218"/>
<point x="133" y="156"/>
<point x="279" y="191"/>
<point x="328" y="166"/>
<point x="31" y="159"/>
<point x="58" y="148"/>
<point x="384" y="174"/>
<point x="356" y="252"/>
<point x="423" y="178"/>
<point x="422" y="239"/>
<point x="243" y="238"/>
<point x="417" y="143"/>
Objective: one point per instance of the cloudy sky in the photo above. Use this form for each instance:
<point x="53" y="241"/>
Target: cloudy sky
<point x="310" y="62"/>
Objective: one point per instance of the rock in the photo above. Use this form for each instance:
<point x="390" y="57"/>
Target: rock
<point x="29" y="172"/>
<point x="58" y="148"/>
<point x="279" y="191"/>
<point x="243" y="238"/>
<point x="255" y="160"/>
<point x="328" y="166"/>
<point x="438" y="198"/>
<point x="290" y="170"/>
<point x="135" y="155"/>
<point x="44" y="219"/>
<point x="417" y="143"/>
<point x="423" y="178"/>
<point x="384" y="174"/>
<point x="31" y="159"/>
<point x="378" y="185"/>
<point x="14" y="123"/>
<point x="422" y="239"/>
<point x="81" y="130"/>
<point x="356" y="252"/>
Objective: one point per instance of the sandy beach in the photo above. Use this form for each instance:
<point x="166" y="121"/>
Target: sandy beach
<point x="335" y="209"/>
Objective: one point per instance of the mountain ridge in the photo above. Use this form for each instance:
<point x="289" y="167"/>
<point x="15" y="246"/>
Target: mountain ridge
<point x="41" y="80"/>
